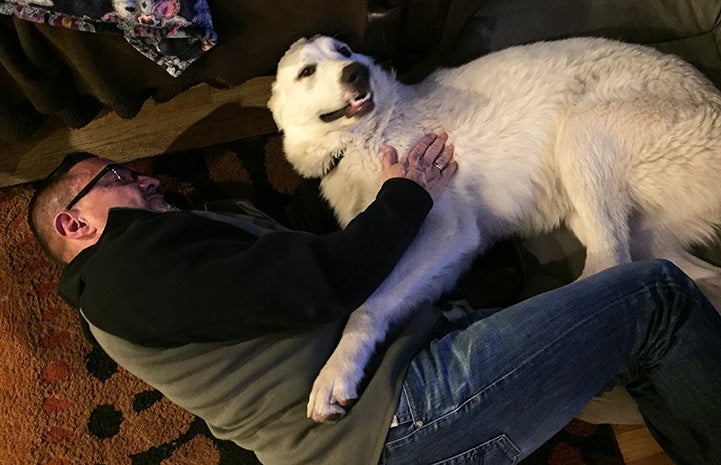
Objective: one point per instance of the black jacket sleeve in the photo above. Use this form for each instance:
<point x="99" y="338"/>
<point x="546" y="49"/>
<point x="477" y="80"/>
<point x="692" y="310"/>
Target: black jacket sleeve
<point x="175" y="278"/>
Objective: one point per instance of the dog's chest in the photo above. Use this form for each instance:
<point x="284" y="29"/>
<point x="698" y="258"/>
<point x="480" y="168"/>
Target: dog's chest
<point x="350" y="189"/>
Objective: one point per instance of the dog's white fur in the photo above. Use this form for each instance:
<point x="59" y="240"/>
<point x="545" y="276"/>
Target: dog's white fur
<point x="619" y="142"/>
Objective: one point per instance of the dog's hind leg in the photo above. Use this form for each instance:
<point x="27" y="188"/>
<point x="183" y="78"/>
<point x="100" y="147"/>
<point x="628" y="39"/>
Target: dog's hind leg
<point x="599" y="201"/>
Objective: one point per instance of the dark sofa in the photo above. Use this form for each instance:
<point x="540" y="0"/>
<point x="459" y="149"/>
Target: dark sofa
<point x="47" y="70"/>
<point x="688" y="28"/>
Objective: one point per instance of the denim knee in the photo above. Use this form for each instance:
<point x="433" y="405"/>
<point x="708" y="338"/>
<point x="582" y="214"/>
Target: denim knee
<point x="662" y="271"/>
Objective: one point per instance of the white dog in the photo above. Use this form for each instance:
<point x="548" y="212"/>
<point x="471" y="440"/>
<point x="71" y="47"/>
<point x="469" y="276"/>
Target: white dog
<point x="619" y="142"/>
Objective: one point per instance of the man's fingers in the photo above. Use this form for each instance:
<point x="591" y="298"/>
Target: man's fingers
<point x="450" y="169"/>
<point x="445" y="156"/>
<point x="390" y="156"/>
<point x="426" y="163"/>
<point x="421" y="147"/>
<point x="436" y="148"/>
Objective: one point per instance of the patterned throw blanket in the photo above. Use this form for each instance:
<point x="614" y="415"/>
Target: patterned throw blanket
<point x="172" y="33"/>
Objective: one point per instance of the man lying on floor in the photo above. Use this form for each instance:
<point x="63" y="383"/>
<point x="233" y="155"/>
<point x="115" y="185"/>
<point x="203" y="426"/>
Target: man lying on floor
<point x="232" y="317"/>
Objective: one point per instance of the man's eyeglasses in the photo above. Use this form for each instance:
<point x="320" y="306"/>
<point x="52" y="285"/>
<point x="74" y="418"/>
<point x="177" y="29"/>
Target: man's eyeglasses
<point x="115" y="175"/>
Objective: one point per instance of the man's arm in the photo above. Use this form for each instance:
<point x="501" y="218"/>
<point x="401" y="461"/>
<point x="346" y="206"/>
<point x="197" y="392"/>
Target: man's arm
<point x="176" y="278"/>
<point x="173" y="278"/>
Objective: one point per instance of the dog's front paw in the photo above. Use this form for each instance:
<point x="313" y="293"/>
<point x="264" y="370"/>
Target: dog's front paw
<point x="333" y="392"/>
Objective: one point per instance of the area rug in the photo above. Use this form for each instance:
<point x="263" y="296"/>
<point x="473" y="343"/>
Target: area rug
<point x="63" y="403"/>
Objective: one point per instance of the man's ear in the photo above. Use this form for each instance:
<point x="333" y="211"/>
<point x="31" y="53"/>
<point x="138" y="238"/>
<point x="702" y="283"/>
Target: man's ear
<point x="69" y="224"/>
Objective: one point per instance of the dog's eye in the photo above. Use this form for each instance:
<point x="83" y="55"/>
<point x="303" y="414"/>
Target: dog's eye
<point x="307" y="71"/>
<point x="345" y="51"/>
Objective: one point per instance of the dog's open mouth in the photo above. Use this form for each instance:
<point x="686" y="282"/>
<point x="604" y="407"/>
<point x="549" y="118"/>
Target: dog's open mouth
<point x="361" y="104"/>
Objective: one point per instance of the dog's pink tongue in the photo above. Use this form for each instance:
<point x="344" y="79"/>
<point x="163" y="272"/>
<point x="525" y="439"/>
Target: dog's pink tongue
<point x="359" y="106"/>
<point x="353" y="108"/>
<point x="350" y="110"/>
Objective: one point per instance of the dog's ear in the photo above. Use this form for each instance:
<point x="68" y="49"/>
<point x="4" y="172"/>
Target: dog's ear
<point x="299" y="43"/>
<point x="275" y="104"/>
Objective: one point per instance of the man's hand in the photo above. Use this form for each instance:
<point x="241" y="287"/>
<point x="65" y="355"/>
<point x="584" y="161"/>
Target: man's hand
<point x="429" y="163"/>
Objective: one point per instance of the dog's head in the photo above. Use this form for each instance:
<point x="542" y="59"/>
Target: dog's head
<point x="321" y="89"/>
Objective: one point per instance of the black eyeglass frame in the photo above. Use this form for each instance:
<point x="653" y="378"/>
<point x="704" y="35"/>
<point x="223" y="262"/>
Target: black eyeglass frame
<point x="113" y="167"/>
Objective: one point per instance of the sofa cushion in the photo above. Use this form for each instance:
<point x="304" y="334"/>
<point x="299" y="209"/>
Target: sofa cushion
<point x="688" y="28"/>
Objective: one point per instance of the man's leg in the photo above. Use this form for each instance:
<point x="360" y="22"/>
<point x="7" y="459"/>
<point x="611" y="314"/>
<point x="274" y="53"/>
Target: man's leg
<point x="495" y="391"/>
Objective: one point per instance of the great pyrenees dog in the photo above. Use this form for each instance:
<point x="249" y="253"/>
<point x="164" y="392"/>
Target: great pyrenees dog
<point x="620" y="143"/>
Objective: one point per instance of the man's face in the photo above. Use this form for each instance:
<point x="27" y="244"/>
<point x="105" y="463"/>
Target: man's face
<point x="109" y="191"/>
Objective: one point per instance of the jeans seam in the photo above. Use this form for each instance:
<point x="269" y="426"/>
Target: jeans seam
<point x="411" y="407"/>
<point x="502" y="441"/>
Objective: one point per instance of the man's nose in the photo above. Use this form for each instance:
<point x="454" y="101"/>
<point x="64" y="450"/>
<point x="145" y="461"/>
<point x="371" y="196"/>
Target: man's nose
<point x="148" y="182"/>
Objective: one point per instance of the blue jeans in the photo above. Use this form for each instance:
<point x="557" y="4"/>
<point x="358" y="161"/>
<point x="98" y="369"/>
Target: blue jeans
<point x="497" y="389"/>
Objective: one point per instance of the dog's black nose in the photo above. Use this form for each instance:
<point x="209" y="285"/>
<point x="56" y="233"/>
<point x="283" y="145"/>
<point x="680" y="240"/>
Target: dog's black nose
<point x="355" y="74"/>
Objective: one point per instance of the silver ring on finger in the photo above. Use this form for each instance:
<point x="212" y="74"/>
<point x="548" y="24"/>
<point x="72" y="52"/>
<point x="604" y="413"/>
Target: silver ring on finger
<point x="438" y="165"/>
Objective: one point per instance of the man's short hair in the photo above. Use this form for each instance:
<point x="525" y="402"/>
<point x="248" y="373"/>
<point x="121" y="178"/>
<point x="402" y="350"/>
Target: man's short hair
<point x="50" y="195"/>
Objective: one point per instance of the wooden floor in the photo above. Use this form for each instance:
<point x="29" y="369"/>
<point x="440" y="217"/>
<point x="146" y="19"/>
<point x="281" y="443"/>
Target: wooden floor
<point x="200" y="117"/>
<point x="639" y="447"/>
